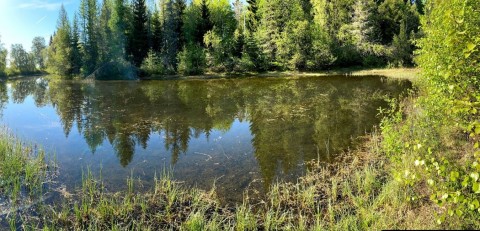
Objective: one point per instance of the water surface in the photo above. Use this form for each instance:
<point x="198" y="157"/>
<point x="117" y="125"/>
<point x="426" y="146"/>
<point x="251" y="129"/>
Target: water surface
<point x="237" y="133"/>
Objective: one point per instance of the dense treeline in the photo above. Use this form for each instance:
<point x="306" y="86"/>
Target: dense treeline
<point x="171" y="36"/>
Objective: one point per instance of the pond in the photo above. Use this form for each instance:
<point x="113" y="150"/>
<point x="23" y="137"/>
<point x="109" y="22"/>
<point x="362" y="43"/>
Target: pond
<point x="234" y="134"/>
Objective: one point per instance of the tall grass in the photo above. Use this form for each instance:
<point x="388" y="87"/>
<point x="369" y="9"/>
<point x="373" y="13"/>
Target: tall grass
<point x="23" y="168"/>
<point x="358" y="192"/>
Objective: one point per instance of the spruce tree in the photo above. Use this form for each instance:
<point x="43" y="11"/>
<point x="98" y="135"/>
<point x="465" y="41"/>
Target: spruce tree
<point x="89" y="35"/>
<point x="105" y="33"/>
<point x="252" y="17"/>
<point x="157" y="36"/>
<point x="179" y="9"/>
<point x="173" y="34"/>
<point x="59" y="55"/>
<point x="118" y="25"/>
<point x="205" y="23"/>
<point x="139" y="43"/>
<point x="76" y="55"/>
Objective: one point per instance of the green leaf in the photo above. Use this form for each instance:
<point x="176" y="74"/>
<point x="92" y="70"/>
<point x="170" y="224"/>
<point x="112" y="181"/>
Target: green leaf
<point x="459" y="212"/>
<point x="471" y="46"/>
<point x="454" y="175"/>
<point x="476" y="204"/>
<point x="474" y="176"/>
<point x="476" y="187"/>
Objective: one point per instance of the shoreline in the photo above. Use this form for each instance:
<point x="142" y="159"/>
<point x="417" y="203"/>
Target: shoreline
<point x="360" y="192"/>
<point x="395" y="73"/>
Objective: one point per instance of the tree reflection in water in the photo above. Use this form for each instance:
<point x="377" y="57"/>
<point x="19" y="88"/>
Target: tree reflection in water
<point x="291" y="120"/>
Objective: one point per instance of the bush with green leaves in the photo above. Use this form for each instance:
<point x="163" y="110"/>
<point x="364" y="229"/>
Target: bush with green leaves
<point x="153" y="64"/>
<point x="436" y="147"/>
<point x="192" y="60"/>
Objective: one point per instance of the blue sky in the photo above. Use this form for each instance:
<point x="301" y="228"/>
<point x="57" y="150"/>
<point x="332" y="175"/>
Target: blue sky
<point x="22" y="20"/>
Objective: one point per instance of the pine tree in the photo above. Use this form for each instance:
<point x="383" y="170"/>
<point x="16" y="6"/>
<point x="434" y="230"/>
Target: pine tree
<point x="420" y="6"/>
<point x="173" y="34"/>
<point x="362" y="26"/>
<point x="139" y="44"/>
<point x="179" y="7"/>
<point x="240" y="30"/>
<point x="157" y="32"/>
<point x="59" y="55"/>
<point x="401" y="48"/>
<point x="105" y="33"/>
<point x="119" y="28"/>
<point x="220" y="41"/>
<point x="76" y="54"/>
<point x="205" y="23"/>
<point x="278" y="17"/>
<point x="89" y="35"/>
<point x="252" y="16"/>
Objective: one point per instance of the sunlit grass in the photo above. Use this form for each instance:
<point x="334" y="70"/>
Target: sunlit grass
<point x="23" y="168"/>
<point x="355" y="193"/>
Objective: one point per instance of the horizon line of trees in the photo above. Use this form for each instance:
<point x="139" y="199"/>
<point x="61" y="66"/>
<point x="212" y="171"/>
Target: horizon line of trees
<point x="173" y="37"/>
<point x="21" y="61"/>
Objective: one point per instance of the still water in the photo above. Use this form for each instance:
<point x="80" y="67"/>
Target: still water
<point x="236" y="134"/>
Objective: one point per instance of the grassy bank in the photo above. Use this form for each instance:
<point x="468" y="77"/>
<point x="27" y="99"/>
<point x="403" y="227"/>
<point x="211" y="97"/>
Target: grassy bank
<point x="23" y="167"/>
<point x="25" y="174"/>
<point x="359" y="192"/>
<point x="384" y="184"/>
<point x="356" y="193"/>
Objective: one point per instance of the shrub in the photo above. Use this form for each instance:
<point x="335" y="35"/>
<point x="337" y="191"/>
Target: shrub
<point x="191" y="60"/>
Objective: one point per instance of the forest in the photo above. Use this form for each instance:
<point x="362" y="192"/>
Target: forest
<point x="168" y="37"/>
<point x="419" y="168"/>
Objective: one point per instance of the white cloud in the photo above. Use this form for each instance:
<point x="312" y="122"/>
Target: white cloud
<point x="42" y="4"/>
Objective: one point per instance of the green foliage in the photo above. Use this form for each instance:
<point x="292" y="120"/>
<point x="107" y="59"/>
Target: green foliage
<point x="192" y="60"/>
<point x="157" y="32"/>
<point x="252" y="58"/>
<point x="3" y="59"/>
<point x="139" y="43"/>
<point x="59" y="54"/>
<point x="89" y="35"/>
<point x="252" y="16"/>
<point x="39" y="52"/>
<point x="23" y="169"/>
<point x="435" y="148"/>
<point x="401" y="48"/>
<point x="204" y="24"/>
<point x="220" y="41"/>
<point x="105" y="32"/>
<point x="118" y="23"/>
<point x="173" y="34"/>
<point x="153" y="64"/>
<point x="263" y="35"/>
<point x="76" y="53"/>
<point x="21" y="61"/>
